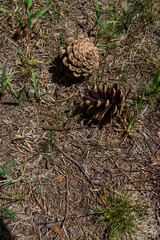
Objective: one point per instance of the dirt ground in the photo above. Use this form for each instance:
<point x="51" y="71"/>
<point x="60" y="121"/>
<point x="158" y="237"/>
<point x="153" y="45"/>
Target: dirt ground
<point x="65" y="166"/>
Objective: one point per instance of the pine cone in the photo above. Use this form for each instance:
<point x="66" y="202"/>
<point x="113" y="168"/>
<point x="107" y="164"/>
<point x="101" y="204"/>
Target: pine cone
<point x="80" y="56"/>
<point x="100" y="106"/>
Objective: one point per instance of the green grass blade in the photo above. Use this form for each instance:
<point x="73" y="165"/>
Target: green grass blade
<point x="156" y="80"/>
<point x="107" y="22"/>
<point x="21" y="91"/>
<point x="17" y="94"/>
<point x="40" y="12"/>
<point x="20" y="53"/>
<point x="156" y="90"/>
<point x="140" y="103"/>
<point x="28" y="3"/>
<point x="30" y="10"/>
<point x="4" y="10"/>
<point x="148" y="86"/>
<point x="35" y="84"/>
<point x="136" y="107"/>
<point x="99" y="18"/>
<point x="3" y="75"/>
<point x="14" y="92"/>
<point x="6" y="82"/>
<point x="12" y="182"/>
<point x="16" y="197"/>
<point x="106" y="9"/>
<point x="6" y="214"/>
<point x="34" y="61"/>
<point x="97" y="9"/>
<point x="70" y="5"/>
<point x="106" y="45"/>
<point x="134" y="118"/>
<point x="8" y="167"/>
<point x="43" y="94"/>
<point x="20" y="20"/>
<point x="101" y="14"/>
<point x="6" y="175"/>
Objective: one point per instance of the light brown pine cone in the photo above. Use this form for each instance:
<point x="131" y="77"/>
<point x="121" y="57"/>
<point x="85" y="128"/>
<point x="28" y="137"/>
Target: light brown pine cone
<point x="80" y="56"/>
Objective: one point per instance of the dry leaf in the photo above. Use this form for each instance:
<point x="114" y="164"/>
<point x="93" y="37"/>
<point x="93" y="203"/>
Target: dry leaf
<point x="57" y="229"/>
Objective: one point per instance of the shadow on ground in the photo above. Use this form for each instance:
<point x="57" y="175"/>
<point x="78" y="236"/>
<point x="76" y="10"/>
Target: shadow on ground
<point x="61" y="76"/>
<point x="5" y="234"/>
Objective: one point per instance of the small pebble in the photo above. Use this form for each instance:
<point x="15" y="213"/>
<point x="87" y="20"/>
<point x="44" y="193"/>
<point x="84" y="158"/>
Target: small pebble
<point x="31" y="93"/>
<point x="96" y="181"/>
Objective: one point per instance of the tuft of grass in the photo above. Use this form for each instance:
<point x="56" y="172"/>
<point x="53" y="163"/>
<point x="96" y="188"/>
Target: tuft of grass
<point x="150" y="92"/>
<point x="110" y="29"/>
<point x="3" y="81"/>
<point x="129" y="15"/>
<point x="137" y="108"/>
<point x="29" y="11"/>
<point x="36" y="87"/>
<point x="26" y="67"/>
<point x="119" y="214"/>
<point x="5" y="171"/>
<point x="153" y="87"/>
<point x="27" y="64"/>
<point x="18" y="94"/>
<point x="13" y="196"/>
<point x="5" y="213"/>
<point x="5" y="174"/>
<point x="102" y="25"/>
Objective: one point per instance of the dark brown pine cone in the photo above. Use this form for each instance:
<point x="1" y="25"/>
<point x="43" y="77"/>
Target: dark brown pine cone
<point x="80" y="56"/>
<point x="101" y="106"/>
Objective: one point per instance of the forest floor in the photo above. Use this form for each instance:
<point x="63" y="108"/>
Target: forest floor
<point x="62" y="167"/>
